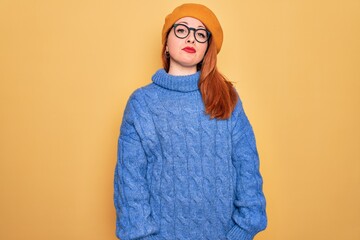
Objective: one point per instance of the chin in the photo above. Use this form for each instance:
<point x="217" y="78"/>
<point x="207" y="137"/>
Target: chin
<point x="190" y="63"/>
<point x="186" y="63"/>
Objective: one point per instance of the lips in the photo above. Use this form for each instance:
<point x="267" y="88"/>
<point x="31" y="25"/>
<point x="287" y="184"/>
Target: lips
<point x="189" y="50"/>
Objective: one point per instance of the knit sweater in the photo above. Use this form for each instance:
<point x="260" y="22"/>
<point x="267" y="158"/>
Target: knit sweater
<point x="181" y="175"/>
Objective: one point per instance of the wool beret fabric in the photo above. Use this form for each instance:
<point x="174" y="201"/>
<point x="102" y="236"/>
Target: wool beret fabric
<point x="200" y="12"/>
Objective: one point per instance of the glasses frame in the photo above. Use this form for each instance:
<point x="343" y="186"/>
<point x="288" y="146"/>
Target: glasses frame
<point x="195" y="30"/>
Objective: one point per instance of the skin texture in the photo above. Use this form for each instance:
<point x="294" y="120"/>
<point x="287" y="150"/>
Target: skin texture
<point x="182" y="62"/>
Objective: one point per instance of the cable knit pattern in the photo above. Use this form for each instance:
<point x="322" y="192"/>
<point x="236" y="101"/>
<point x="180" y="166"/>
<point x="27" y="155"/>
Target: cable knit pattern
<point x="181" y="175"/>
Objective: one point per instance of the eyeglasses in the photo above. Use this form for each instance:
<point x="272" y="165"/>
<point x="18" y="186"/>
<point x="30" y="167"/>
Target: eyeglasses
<point x="182" y="31"/>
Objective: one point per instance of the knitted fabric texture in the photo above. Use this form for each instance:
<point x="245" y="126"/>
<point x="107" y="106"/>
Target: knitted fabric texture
<point x="200" y="12"/>
<point x="181" y="175"/>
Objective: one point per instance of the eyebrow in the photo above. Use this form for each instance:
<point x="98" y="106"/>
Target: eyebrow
<point x="188" y="24"/>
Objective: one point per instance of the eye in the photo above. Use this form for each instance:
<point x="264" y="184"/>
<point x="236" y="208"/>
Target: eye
<point x="180" y="30"/>
<point x="201" y="34"/>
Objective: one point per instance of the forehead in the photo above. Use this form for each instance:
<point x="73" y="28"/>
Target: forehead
<point x="190" y="21"/>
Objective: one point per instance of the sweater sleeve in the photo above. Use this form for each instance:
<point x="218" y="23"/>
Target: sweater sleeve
<point x="134" y="218"/>
<point x="249" y="214"/>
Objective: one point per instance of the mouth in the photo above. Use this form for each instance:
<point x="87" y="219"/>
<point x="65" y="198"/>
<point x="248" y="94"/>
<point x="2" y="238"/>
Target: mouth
<point x="189" y="50"/>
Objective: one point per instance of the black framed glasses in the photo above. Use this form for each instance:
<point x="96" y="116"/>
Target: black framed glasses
<point x="182" y="31"/>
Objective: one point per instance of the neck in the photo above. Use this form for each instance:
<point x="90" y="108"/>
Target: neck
<point x="178" y="70"/>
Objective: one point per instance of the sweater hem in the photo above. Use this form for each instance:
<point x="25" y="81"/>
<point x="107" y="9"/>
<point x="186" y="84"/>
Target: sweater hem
<point x="236" y="233"/>
<point x="150" y="237"/>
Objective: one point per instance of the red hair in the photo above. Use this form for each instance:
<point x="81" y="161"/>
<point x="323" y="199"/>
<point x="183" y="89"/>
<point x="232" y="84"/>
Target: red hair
<point x="218" y="94"/>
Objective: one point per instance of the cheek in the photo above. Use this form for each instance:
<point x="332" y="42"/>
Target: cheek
<point x="202" y="50"/>
<point x="172" y="41"/>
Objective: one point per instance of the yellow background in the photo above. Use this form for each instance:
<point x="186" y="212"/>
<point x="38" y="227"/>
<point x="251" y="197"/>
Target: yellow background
<point x="68" y="67"/>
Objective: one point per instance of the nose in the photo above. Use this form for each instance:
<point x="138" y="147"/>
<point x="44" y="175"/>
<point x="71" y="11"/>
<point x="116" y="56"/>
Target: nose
<point x="191" y="37"/>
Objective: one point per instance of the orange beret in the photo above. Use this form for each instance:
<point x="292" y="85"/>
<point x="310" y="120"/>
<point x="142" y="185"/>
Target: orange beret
<point x="200" y="12"/>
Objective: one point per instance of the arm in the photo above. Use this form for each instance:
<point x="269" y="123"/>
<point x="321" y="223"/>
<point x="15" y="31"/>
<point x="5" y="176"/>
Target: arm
<point x="249" y="215"/>
<point x="131" y="195"/>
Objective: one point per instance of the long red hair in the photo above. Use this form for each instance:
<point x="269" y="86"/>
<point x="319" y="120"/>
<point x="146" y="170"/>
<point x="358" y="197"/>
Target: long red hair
<point x="217" y="92"/>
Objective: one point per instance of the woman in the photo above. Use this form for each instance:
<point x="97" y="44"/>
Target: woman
<point x="187" y="165"/>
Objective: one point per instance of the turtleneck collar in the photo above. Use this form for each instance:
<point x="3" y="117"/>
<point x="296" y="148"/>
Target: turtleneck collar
<point x="187" y="83"/>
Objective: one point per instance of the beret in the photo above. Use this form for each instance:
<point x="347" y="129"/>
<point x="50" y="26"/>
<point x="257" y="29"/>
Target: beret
<point x="200" y="12"/>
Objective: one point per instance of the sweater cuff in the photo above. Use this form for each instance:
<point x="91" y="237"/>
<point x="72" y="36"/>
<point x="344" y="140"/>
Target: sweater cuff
<point x="151" y="237"/>
<point x="237" y="233"/>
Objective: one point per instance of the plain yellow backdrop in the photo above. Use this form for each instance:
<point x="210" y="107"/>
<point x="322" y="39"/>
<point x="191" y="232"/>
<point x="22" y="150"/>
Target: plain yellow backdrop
<point x="67" y="68"/>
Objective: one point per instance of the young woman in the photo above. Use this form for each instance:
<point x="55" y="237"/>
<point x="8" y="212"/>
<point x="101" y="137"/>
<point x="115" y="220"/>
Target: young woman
<point x="187" y="165"/>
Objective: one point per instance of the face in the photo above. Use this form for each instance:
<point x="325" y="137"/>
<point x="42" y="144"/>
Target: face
<point x="186" y="53"/>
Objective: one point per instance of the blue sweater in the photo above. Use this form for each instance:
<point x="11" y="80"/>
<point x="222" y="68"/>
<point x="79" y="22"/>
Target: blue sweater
<point x="181" y="175"/>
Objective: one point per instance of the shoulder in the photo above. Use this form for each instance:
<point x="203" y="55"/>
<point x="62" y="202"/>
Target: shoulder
<point x="140" y="94"/>
<point x="140" y="101"/>
<point x="238" y="107"/>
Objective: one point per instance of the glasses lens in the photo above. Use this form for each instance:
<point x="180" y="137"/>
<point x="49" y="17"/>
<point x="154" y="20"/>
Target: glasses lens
<point x="201" y="35"/>
<point x="181" y="31"/>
